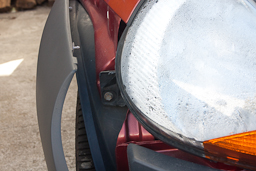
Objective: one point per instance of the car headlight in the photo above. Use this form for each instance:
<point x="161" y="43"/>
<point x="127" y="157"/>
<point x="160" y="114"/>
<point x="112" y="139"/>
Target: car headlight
<point x="187" y="70"/>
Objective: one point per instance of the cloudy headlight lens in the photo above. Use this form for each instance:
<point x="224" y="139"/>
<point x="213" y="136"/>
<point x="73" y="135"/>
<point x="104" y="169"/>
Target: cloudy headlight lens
<point x="187" y="70"/>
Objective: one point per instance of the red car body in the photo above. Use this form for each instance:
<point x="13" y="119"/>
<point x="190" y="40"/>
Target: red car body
<point x="109" y="19"/>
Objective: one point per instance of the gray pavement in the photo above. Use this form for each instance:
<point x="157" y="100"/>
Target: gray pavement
<point x="20" y="145"/>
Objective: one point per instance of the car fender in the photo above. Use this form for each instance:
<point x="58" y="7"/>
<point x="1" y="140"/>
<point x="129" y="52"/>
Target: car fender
<point x="55" y="70"/>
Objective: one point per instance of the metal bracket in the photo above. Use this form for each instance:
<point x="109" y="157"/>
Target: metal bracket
<point x="110" y="93"/>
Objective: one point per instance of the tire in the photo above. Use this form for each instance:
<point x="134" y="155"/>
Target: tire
<point x="84" y="160"/>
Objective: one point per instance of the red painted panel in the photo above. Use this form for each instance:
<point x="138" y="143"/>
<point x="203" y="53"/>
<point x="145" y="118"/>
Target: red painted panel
<point x="123" y="8"/>
<point x="106" y="25"/>
<point x="133" y="128"/>
<point x="133" y="132"/>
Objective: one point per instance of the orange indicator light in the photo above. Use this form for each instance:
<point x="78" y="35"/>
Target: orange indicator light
<point x="238" y="148"/>
<point x="123" y="8"/>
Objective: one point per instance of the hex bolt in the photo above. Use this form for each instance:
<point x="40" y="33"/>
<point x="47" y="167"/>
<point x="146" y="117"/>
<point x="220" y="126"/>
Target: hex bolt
<point x="108" y="96"/>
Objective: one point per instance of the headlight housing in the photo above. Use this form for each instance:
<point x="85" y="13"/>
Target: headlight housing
<point x="187" y="70"/>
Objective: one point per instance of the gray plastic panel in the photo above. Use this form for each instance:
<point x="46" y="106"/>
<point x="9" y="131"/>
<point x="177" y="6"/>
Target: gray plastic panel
<point x="143" y="159"/>
<point x="55" y="70"/>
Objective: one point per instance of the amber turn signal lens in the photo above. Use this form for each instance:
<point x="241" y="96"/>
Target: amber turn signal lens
<point x="238" y="148"/>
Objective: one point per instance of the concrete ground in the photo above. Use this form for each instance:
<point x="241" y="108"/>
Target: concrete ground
<point x="20" y="145"/>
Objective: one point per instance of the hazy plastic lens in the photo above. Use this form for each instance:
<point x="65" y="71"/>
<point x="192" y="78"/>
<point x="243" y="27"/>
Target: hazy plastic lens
<point x="190" y="66"/>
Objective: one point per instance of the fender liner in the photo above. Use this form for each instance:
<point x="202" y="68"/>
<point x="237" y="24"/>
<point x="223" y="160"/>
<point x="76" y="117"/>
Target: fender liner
<point x="102" y="123"/>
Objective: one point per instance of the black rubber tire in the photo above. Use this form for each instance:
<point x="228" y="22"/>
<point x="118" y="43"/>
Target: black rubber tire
<point x="84" y="160"/>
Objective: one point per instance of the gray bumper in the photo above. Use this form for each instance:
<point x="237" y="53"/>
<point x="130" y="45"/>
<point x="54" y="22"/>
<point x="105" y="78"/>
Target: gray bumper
<point x="55" y="70"/>
<point x="143" y="159"/>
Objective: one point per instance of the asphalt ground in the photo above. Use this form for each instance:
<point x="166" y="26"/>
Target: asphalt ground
<point x="20" y="144"/>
